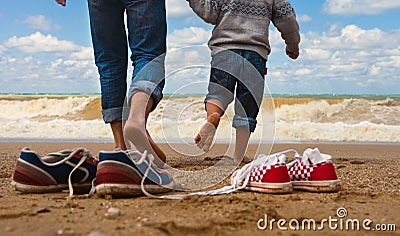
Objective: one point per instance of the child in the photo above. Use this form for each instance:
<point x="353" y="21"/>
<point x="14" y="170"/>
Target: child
<point x="240" y="36"/>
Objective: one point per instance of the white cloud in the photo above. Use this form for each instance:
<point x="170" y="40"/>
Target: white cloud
<point x="359" y="7"/>
<point x="304" y="18"/>
<point x="303" y="71"/>
<point x="178" y="9"/>
<point x="40" y="22"/>
<point x="2" y="49"/>
<point x="339" y="60"/>
<point x="316" y="54"/>
<point x="191" y="56"/>
<point x="34" y="74"/>
<point x="38" y="42"/>
<point x="356" y="38"/>
<point x="188" y="36"/>
<point x="85" y="53"/>
<point x="66" y="67"/>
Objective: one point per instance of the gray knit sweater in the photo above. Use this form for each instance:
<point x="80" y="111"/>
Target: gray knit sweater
<point x="243" y="24"/>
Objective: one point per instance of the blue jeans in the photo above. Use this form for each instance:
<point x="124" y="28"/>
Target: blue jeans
<point x="244" y="70"/>
<point x="147" y="28"/>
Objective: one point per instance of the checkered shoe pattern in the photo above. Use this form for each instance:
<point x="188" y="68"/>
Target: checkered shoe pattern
<point x="300" y="171"/>
<point x="257" y="174"/>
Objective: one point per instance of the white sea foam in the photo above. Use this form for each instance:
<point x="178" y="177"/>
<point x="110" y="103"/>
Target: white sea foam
<point x="19" y="109"/>
<point x="179" y="119"/>
<point x="339" y="131"/>
<point x="55" y="129"/>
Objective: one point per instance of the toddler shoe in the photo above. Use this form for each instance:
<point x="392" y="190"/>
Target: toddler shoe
<point x="266" y="174"/>
<point x="313" y="172"/>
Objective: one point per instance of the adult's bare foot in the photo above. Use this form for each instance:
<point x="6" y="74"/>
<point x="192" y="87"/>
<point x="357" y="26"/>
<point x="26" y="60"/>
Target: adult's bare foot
<point x="156" y="148"/>
<point x="136" y="133"/>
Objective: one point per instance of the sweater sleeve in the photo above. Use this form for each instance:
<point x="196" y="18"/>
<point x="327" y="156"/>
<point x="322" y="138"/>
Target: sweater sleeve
<point x="208" y="10"/>
<point x="284" y="19"/>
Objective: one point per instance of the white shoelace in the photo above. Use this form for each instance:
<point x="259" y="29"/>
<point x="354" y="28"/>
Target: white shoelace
<point x="141" y="160"/>
<point x="239" y="181"/>
<point x="85" y="155"/>
<point x="145" y="175"/>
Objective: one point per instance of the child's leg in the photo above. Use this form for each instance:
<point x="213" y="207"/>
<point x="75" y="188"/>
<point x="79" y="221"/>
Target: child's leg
<point x="246" y="111"/>
<point x="206" y="135"/>
<point x="249" y="94"/>
<point x="220" y="94"/>
<point x="242" y="140"/>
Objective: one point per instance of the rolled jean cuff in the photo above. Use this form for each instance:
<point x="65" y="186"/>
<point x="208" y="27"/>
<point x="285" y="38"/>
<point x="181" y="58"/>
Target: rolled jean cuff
<point x="148" y="87"/>
<point x="225" y="101"/>
<point x="249" y="122"/>
<point x="112" y="114"/>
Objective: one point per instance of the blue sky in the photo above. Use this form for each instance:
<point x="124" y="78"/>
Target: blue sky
<point x="348" y="47"/>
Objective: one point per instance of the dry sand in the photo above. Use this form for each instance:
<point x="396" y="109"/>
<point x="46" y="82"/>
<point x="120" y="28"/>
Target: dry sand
<point x="369" y="173"/>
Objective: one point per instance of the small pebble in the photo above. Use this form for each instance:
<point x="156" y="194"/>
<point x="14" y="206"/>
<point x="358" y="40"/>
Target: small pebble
<point x="114" y="212"/>
<point x="96" y="233"/>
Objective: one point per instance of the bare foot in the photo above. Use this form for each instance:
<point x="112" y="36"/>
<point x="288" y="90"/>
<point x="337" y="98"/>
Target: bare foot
<point x="156" y="148"/>
<point x="138" y="135"/>
<point x="243" y="160"/>
<point x="206" y="135"/>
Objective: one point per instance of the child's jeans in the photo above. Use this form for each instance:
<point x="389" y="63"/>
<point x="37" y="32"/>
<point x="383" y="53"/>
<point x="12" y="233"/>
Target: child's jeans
<point x="146" y="24"/>
<point x="245" y="70"/>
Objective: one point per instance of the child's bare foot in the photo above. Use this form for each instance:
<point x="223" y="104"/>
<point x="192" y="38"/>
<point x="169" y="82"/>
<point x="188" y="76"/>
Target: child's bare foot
<point x="206" y="135"/>
<point x="139" y="136"/>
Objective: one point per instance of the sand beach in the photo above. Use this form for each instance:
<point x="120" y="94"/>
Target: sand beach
<point x="369" y="175"/>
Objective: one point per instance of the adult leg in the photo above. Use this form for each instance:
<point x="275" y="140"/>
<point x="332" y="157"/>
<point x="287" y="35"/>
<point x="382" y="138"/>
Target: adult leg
<point x="147" y="40"/>
<point x="116" y="128"/>
<point x="135" y="127"/>
<point x="111" y="57"/>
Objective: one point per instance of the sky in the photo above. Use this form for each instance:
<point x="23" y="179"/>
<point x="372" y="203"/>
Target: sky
<point x="347" y="47"/>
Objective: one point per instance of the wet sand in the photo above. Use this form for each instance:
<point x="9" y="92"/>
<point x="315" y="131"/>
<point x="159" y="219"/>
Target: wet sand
<point x="369" y="174"/>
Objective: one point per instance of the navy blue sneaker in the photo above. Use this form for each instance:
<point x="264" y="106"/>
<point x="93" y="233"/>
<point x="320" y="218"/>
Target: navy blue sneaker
<point x="54" y="172"/>
<point x="130" y="173"/>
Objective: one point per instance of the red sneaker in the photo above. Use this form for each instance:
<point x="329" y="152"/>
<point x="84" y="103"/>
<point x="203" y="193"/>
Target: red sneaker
<point x="267" y="174"/>
<point x="270" y="179"/>
<point x="313" y="172"/>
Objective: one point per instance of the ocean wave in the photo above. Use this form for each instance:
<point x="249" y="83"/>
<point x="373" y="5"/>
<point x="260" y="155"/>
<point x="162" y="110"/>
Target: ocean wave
<point x="43" y="108"/>
<point x="180" y="118"/>
<point x="339" y="131"/>
<point x="349" y="111"/>
<point x="297" y="131"/>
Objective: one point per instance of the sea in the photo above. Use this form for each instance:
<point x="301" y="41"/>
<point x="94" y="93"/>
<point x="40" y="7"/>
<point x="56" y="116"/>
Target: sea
<point x="283" y="118"/>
